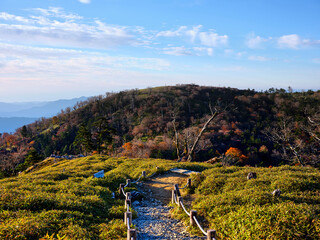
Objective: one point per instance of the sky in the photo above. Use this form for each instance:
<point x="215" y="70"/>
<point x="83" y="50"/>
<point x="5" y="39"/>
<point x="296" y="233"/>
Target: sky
<point x="53" y="49"/>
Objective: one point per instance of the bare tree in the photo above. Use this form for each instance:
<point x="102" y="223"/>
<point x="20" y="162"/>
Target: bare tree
<point x="313" y="127"/>
<point x="190" y="138"/>
<point x="176" y="136"/>
<point x="283" y="134"/>
<point x="195" y="144"/>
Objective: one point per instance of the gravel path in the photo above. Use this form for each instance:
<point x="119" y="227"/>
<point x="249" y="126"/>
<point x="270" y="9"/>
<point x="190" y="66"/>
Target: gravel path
<point x="154" y="221"/>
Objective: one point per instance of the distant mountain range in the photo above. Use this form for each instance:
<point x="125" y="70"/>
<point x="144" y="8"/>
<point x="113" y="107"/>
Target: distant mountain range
<point x="10" y="124"/>
<point x="15" y="115"/>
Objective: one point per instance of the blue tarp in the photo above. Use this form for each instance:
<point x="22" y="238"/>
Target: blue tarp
<point x="99" y="174"/>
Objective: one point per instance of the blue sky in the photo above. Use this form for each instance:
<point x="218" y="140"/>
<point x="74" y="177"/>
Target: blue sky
<point x="53" y="49"/>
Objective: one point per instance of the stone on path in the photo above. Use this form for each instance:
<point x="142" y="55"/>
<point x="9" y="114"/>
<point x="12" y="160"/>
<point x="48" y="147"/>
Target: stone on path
<point x="183" y="171"/>
<point x="154" y="222"/>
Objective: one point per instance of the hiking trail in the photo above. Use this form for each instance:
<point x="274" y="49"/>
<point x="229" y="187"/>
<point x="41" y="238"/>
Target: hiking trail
<point x="154" y="219"/>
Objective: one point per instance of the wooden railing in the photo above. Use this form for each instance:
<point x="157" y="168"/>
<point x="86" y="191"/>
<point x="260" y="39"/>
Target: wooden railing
<point x="131" y="233"/>
<point x="177" y="199"/>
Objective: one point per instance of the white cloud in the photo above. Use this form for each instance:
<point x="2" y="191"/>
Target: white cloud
<point x="55" y="27"/>
<point x="10" y="17"/>
<point x="232" y="53"/>
<point x="62" y="72"/>
<point x="179" y="32"/>
<point x="290" y="41"/>
<point x="258" y="58"/>
<point x="46" y="29"/>
<point x="85" y="1"/>
<point x="57" y="13"/>
<point x="22" y="57"/>
<point x="200" y="51"/>
<point x="177" y="51"/>
<point x="183" y="51"/>
<point x="254" y="41"/>
<point x="212" y="39"/>
<point x="195" y="35"/>
<point x="294" y="41"/>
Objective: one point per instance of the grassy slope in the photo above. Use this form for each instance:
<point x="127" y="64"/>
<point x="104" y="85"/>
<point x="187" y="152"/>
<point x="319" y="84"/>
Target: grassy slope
<point x="64" y="199"/>
<point x="242" y="209"/>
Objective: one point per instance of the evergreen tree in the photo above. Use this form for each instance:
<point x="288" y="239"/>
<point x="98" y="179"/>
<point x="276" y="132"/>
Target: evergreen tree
<point x="24" y="131"/>
<point x="32" y="157"/>
<point x="103" y="133"/>
<point x="84" y="139"/>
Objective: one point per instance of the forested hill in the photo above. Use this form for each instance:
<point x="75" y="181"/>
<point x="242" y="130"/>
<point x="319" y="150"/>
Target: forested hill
<point x="250" y="128"/>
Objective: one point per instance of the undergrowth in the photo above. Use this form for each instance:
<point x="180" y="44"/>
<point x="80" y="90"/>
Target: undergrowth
<point x="62" y="200"/>
<point x="238" y="208"/>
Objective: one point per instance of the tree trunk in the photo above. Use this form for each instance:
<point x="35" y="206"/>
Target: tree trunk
<point x="176" y="138"/>
<point x="190" y="153"/>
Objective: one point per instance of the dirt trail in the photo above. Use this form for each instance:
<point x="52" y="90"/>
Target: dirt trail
<point x="154" y="219"/>
<point x="162" y="185"/>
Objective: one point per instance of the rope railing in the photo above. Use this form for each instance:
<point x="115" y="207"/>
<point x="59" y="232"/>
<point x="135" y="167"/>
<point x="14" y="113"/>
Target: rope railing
<point x="122" y="189"/>
<point x="176" y="198"/>
<point x="195" y="219"/>
<point x="138" y="179"/>
<point x="183" y="207"/>
<point x="211" y="234"/>
<point x="131" y="233"/>
<point x="188" y="184"/>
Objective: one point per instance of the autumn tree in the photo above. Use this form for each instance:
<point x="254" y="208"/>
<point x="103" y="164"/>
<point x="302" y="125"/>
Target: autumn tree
<point x="234" y="156"/>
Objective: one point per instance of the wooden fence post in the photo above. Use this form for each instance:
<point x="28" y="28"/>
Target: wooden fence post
<point x="179" y="201"/>
<point x="173" y="196"/>
<point x="131" y="234"/>
<point x="128" y="204"/>
<point x="211" y="234"/>
<point x="176" y="187"/>
<point x="128" y="183"/>
<point x="121" y="186"/>
<point x="128" y="195"/>
<point x="126" y="216"/>
<point x="193" y="213"/>
<point x="189" y="182"/>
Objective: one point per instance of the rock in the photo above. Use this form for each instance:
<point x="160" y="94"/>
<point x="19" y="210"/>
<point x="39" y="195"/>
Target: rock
<point x="135" y="204"/>
<point x="251" y="175"/>
<point x="276" y="193"/>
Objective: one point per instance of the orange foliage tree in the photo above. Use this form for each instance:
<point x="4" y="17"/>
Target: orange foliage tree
<point x="236" y="154"/>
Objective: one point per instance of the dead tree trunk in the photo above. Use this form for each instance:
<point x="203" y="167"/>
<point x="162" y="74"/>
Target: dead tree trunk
<point x="190" y="153"/>
<point x="176" y="137"/>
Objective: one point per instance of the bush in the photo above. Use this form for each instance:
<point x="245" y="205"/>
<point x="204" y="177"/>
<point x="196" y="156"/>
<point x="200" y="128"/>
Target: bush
<point x="245" y="209"/>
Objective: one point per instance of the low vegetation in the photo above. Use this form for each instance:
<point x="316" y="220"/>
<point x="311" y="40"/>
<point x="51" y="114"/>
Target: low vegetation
<point x="246" y="209"/>
<point x="60" y="199"/>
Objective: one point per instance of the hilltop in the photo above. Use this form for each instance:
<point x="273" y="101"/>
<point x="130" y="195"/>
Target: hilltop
<point x="250" y="128"/>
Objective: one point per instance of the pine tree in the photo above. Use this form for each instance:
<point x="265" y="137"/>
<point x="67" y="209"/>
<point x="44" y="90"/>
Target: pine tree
<point x="84" y="139"/>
